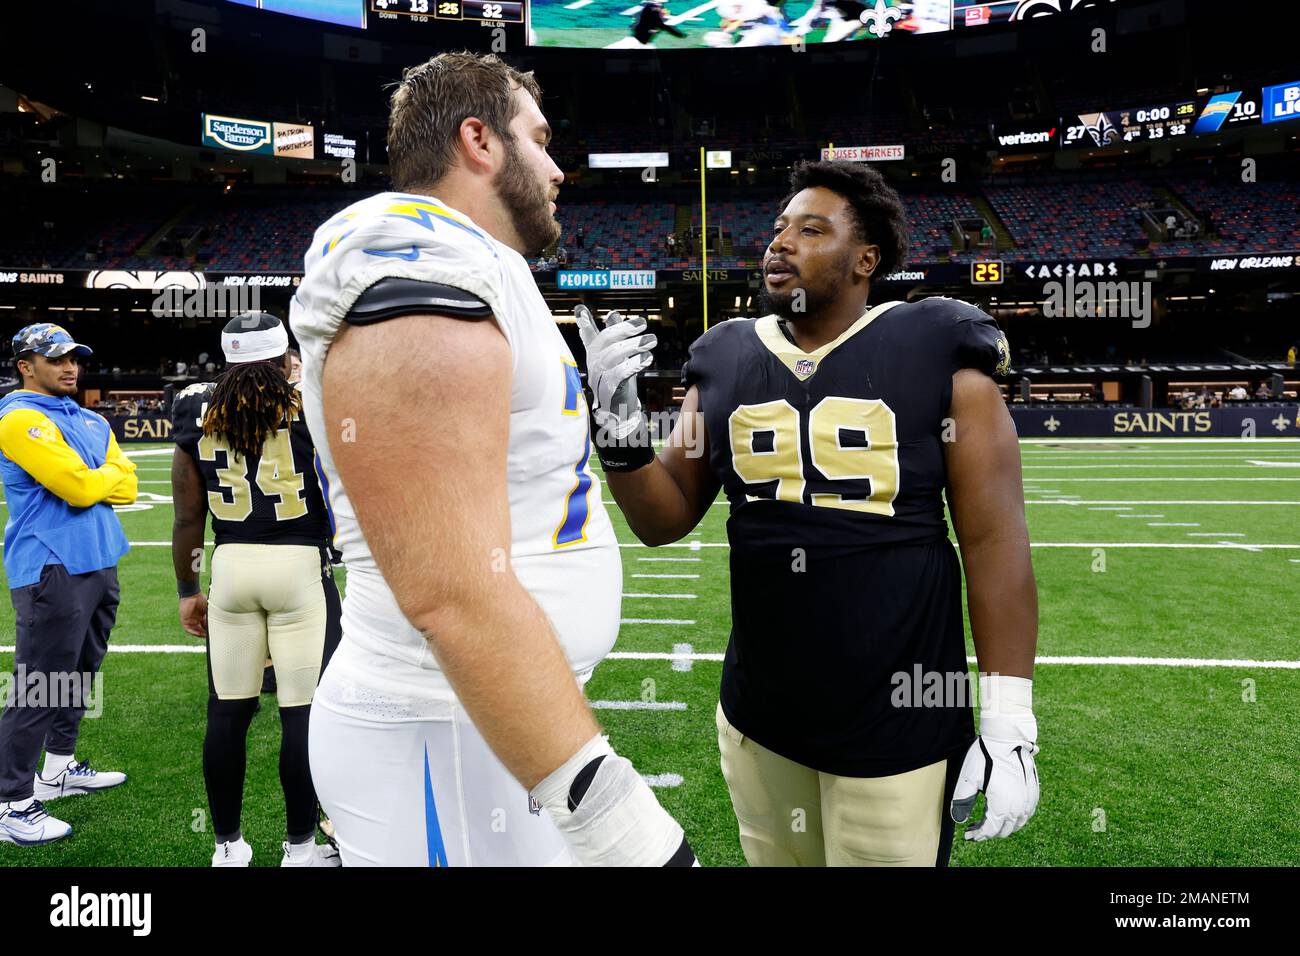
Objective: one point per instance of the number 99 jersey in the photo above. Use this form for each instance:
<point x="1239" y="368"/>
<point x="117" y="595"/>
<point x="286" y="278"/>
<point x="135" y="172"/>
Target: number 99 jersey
<point x="842" y="575"/>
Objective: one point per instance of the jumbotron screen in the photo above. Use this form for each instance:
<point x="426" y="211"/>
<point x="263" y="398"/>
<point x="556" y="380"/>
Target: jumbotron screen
<point x="675" y="24"/>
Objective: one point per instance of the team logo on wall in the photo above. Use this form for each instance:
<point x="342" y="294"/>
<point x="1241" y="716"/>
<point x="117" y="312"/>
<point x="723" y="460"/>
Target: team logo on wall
<point x="147" y="280"/>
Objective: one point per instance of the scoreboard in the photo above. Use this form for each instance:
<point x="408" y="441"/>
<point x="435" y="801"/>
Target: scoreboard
<point x="426" y="11"/>
<point x="1141" y="123"/>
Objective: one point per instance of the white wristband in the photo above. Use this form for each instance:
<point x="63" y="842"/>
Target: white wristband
<point x="1006" y="696"/>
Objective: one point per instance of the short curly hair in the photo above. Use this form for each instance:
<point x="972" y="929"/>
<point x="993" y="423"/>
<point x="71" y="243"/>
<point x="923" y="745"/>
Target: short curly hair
<point x="881" y="219"/>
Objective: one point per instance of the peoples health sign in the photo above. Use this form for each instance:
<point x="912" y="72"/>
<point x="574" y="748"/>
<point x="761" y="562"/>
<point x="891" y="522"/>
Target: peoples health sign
<point x="600" y="279"/>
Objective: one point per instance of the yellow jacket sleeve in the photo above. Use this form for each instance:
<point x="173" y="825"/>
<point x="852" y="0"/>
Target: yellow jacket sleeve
<point x="30" y="440"/>
<point x="126" y="490"/>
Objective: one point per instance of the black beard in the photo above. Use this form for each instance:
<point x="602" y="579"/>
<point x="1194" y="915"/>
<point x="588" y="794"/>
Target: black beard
<point x="782" y="304"/>
<point x="528" y="203"/>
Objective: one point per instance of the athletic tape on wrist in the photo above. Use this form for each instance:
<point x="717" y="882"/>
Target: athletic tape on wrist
<point x="629" y="453"/>
<point x="186" y="589"/>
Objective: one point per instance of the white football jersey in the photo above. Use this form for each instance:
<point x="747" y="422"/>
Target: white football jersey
<point x="563" y="548"/>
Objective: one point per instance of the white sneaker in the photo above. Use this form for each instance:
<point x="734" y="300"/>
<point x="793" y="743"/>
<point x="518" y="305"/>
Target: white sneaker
<point x="233" y="853"/>
<point x="32" y="826"/>
<point x="77" y="779"/>
<point x="310" y="854"/>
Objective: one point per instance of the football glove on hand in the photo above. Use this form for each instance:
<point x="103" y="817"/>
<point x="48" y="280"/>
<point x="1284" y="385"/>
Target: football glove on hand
<point x="608" y="815"/>
<point x="615" y="354"/>
<point x="1001" y="761"/>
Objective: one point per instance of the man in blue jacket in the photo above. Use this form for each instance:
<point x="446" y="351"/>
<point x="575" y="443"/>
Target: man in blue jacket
<point x="62" y="471"/>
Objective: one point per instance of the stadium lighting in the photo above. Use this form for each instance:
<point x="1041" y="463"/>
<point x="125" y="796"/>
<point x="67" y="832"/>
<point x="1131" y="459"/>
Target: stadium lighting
<point x="149" y="99"/>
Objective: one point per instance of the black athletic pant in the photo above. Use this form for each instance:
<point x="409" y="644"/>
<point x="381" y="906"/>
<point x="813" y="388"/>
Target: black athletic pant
<point x="63" y="624"/>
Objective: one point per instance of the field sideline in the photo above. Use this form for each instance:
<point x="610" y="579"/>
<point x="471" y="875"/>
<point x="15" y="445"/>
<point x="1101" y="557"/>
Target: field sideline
<point x="1168" y="575"/>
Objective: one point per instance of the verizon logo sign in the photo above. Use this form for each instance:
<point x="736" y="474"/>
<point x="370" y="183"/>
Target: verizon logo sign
<point x="1026" y="137"/>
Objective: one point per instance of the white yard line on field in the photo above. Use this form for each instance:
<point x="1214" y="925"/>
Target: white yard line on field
<point x="1173" y="524"/>
<point x="675" y="597"/>
<point x="717" y="658"/>
<point x="1216" y="534"/>
<point x="664" y="575"/>
<point x="1163" y="501"/>
<point x="638" y="705"/>
<point x="662" y="780"/>
<point x="654" y="620"/>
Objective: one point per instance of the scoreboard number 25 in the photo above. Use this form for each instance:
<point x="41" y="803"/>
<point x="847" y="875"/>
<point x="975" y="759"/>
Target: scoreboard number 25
<point x="986" y="272"/>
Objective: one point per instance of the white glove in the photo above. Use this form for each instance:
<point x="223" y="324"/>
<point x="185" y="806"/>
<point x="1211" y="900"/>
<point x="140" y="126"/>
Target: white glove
<point x="615" y="354"/>
<point x="607" y="814"/>
<point x="1000" y="763"/>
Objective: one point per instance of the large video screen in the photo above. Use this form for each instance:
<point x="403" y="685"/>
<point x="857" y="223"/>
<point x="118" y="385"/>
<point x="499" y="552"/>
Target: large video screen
<point x="669" y="24"/>
<point x="650" y="24"/>
<point x="346" y="13"/>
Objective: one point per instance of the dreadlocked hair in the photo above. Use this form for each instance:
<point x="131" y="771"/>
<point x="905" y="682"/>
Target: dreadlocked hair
<point x="251" y="402"/>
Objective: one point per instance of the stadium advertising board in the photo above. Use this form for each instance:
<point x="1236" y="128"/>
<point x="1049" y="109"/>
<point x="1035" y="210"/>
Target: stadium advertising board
<point x="337" y="146"/>
<point x="626" y="160"/>
<point x="260" y="137"/>
<point x="344" y="13"/>
<point x="1282" y="102"/>
<point x="982" y="13"/>
<point x="140" y="428"/>
<point x="1021" y="138"/>
<point x="294" y="140"/>
<point x="1266" y="421"/>
<point x="605" y="279"/>
<point x="239" y="135"/>
<point x="863" y="154"/>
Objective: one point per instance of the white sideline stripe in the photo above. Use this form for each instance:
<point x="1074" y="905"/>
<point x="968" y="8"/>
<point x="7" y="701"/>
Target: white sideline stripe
<point x="1163" y="480"/>
<point x="692" y="545"/>
<point x="638" y="705"/>
<point x="1113" y="508"/>
<point x="662" y="779"/>
<point x="147" y="452"/>
<point x="665" y="575"/>
<point x="1221" y="546"/>
<point x="1139" y="516"/>
<point x="1173" y="524"/>
<point x="666" y="620"/>
<point x="717" y="658"/>
<point x="1146" y="444"/>
<point x="1216" y="534"/>
<point x="1294" y="560"/>
<point x="1274" y="464"/>
<point x="679" y="597"/>
<point x="1073" y="544"/>
<point x="670" y="559"/>
<point x="1250" y="465"/>
<point x="1149" y="501"/>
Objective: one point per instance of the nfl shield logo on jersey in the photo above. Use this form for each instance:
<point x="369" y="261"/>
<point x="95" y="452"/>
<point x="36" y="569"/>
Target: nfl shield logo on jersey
<point x="805" y="367"/>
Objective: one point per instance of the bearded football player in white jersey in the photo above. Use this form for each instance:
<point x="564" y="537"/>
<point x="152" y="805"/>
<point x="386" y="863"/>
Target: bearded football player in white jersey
<point x="484" y="578"/>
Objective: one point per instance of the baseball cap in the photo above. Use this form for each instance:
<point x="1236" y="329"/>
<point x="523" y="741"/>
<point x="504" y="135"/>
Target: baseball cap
<point x="254" y="337"/>
<point x="48" y="339"/>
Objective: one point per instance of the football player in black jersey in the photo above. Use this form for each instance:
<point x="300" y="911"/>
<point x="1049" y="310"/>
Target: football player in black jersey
<point x="244" y="454"/>
<point x="836" y="430"/>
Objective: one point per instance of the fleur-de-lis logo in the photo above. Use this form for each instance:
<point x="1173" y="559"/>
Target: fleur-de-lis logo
<point x="880" y="18"/>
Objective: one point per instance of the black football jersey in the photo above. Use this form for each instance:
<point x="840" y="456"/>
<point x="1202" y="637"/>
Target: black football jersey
<point x="842" y="573"/>
<point x="273" y="498"/>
